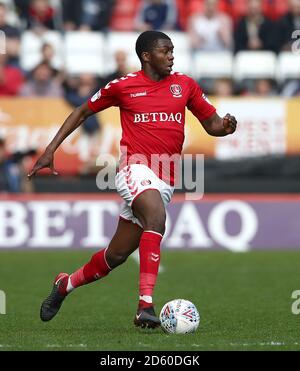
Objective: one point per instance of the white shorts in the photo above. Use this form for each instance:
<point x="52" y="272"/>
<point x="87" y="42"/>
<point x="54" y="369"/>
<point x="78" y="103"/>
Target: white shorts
<point x="133" y="180"/>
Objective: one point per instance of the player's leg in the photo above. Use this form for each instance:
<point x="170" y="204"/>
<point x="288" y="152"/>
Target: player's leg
<point x="149" y="208"/>
<point x="145" y="197"/>
<point x="125" y="241"/>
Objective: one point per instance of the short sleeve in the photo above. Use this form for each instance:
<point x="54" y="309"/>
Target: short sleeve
<point x="198" y="103"/>
<point x="105" y="97"/>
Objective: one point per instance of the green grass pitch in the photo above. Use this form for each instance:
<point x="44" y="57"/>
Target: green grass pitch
<point x="244" y="301"/>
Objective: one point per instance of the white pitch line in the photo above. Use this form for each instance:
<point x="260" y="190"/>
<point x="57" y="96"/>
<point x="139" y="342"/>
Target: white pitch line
<point x="66" y="346"/>
<point x="272" y="343"/>
<point x="144" y="345"/>
<point x="135" y="256"/>
<point x="262" y="344"/>
<point x="268" y="343"/>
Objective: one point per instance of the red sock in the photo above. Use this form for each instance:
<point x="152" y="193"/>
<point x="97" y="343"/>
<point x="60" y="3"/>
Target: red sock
<point x="96" y="268"/>
<point x="149" y="263"/>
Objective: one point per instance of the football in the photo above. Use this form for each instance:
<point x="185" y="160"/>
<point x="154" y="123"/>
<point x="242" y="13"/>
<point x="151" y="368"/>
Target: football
<point x="179" y="316"/>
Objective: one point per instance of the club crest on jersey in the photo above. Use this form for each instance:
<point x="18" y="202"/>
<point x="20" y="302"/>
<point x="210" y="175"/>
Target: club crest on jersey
<point x="145" y="182"/>
<point x="176" y="90"/>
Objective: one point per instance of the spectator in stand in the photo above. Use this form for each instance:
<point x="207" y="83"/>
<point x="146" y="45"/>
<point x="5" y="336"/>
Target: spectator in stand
<point x="22" y="7"/>
<point x="11" y="78"/>
<point x="41" y="16"/>
<point x="48" y="56"/>
<point x="121" y="70"/>
<point x="12" y="35"/>
<point x="71" y="14"/>
<point x="223" y="87"/>
<point x="96" y="14"/>
<point x="254" y="31"/>
<point x="77" y="91"/>
<point x="42" y="83"/>
<point x="212" y="30"/>
<point x="157" y="15"/>
<point x="9" y="30"/>
<point x="70" y="84"/>
<point x="87" y="15"/>
<point x="13" y="170"/>
<point x="77" y="95"/>
<point x="48" y="53"/>
<point x="265" y="88"/>
<point x="188" y="7"/>
<point x="288" y="24"/>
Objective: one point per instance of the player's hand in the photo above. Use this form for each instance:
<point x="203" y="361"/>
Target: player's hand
<point x="229" y="123"/>
<point x="45" y="161"/>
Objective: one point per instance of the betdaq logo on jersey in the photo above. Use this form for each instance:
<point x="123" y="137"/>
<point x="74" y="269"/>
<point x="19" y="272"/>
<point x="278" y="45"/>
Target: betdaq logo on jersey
<point x="158" y="117"/>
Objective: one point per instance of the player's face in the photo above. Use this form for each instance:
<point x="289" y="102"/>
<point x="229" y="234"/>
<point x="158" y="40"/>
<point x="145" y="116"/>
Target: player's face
<point x="161" y="57"/>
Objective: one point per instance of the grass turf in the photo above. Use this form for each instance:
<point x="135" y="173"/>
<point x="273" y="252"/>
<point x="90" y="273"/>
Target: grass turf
<point x="244" y="302"/>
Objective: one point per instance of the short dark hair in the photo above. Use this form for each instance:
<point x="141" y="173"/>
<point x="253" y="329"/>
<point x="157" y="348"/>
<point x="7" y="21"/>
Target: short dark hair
<point x="145" y="42"/>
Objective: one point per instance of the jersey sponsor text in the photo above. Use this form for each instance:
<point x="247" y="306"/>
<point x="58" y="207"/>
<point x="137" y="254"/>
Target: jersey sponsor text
<point x="158" y="117"/>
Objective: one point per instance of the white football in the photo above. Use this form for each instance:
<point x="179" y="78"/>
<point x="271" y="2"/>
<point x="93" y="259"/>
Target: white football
<point x="179" y="316"/>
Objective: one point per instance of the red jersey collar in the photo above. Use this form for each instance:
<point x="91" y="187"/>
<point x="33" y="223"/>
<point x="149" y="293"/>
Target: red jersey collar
<point x="147" y="78"/>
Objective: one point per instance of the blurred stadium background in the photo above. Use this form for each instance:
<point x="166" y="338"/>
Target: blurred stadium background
<point x="245" y="54"/>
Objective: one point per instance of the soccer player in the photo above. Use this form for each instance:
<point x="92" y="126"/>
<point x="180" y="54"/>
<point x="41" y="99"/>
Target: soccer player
<point x="152" y="105"/>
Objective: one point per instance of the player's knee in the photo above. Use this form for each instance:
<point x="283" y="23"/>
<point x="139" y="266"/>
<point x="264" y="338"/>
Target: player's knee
<point x="156" y="222"/>
<point x="114" y="258"/>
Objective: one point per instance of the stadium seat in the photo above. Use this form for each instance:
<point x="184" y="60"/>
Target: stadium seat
<point x="31" y="45"/>
<point x="254" y="65"/>
<point x="124" y="14"/>
<point x="126" y="41"/>
<point x="55" y="3"/>
<point x="182" y="52"/>
<point x="84" y="52"/>
<point x="238" y="8"/>
<point x="271" y="8"/>
<point x="183" y="63"/>
<point x="288" y="66"/>
<point x="187" y="8"/>
<point x="180" y="40"/>
<point x="275" y="8"/>
<point x="213" y="65"/>
<point x="121" y="41"/>
<point x="12" y="17"/>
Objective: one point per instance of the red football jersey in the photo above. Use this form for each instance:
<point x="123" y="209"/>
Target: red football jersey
<point x="152" y="116"/>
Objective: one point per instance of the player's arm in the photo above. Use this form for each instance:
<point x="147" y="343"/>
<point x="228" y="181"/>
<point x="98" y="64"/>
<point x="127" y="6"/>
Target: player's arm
<point x="218" y="126"/>
<point x="76" y="118"/>
<point x="206" y="113"/>
<point x="104" y="98"/>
